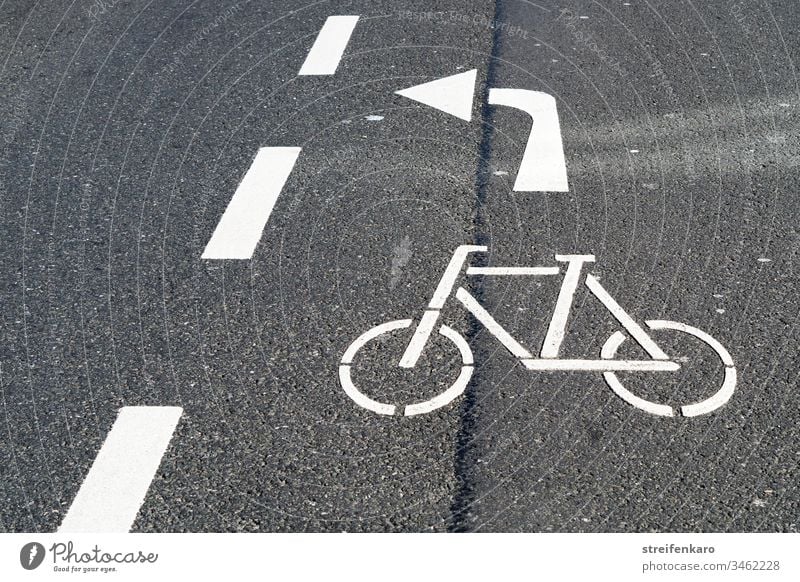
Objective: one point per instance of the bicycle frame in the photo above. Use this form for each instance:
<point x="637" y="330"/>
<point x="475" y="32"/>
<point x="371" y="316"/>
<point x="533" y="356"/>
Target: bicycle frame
<point x="548" y="359"/>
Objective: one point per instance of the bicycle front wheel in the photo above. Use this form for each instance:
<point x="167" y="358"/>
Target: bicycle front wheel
<point x="710" y="404"/>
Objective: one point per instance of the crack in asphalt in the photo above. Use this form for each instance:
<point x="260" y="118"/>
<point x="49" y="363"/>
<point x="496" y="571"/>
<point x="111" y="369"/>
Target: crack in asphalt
<point x="460" y="518"/>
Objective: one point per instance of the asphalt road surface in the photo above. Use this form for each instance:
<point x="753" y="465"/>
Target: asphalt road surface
<point x="127" y="127"/>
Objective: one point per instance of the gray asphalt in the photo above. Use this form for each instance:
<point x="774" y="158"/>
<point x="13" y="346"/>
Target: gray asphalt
<point x="126" y="128"/>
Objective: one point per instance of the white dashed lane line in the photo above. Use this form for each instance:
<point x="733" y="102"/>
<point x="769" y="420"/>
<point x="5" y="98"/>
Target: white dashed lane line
<point x="116" y="485"/>
<point x="243" y="221"/>
<point x="324" y="56"/>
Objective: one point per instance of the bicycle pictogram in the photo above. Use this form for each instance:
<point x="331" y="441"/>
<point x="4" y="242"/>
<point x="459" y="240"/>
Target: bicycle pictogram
<point x="549" y="358"/>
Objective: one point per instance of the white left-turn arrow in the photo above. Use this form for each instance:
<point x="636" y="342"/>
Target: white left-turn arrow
<point x="453" y="94"/>
<point x="543" y="167"/>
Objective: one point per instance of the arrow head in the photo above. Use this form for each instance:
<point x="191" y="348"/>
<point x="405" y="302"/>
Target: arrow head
<point x="453" y="94"/>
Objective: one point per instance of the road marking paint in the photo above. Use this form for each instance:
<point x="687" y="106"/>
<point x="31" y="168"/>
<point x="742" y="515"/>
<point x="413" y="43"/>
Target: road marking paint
<point x="243" y="221"/>
<point x="699" y="334"/>
<point x="445" y="286"/>
<point x="558" y="323"/>
<point x="608" y="351"/>
<point x="344" y="369"/>
<point x="115" y="487"/>
<point x="445" y="398"/>
<point x="710" y="404"/>
<point x="721" y="397"/>
<point x="457" y="389"/>
<point x="535" y="271"/>
<point x="359" y="397"/>
<point x="327" y="51"/>
<point x="453" y="94"/>
<point x="602" y="365"/>
<point x="419" y="339"/>
<point x="412" y="409"/>
<point x="549" y="361"/>
<point x="371" y="334"/>
<point x="626" y="320"/>
<point x="443" y="289"/>
<point x="543" y="167"/>
<point x="491" y="324"/>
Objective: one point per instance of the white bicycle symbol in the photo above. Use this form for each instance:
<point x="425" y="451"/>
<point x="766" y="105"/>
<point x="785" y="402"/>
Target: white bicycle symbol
<point x="548" y="359"/>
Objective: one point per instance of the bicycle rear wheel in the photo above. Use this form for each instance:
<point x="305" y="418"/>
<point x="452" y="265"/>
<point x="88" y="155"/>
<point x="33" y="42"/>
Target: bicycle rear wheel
<point x="442" y="399"/>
